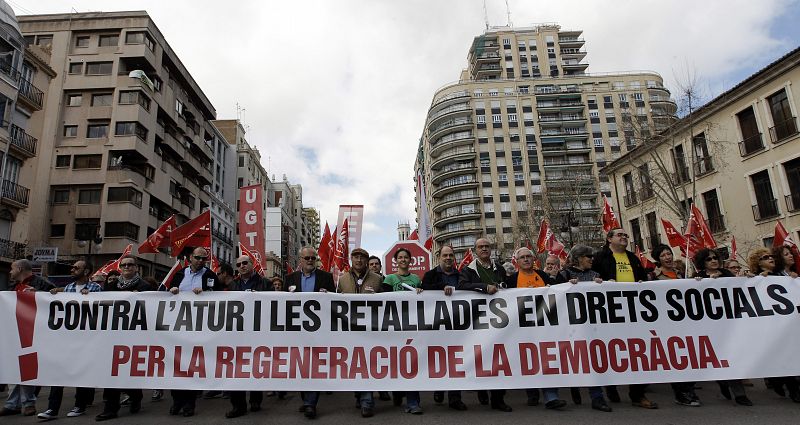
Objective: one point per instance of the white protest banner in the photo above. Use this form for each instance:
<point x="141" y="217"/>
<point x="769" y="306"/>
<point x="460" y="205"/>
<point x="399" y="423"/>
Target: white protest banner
<point x="562" y="336"/>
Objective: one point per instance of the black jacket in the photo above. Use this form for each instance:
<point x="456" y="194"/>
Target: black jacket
<point x="36" y="282"/>
<point x="723" y="273"/>
<point x="208" y="274"/>
<point x="471" y="280"/>
<point x="140" y="285"/>
<point x="605" y="264"/>
<point x="433" y="279"/>
<point x="511" y="280"/>
<point x="259" y="284"/>
<point x="322" y="280"/>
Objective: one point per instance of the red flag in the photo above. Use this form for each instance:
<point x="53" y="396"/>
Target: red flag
<point x="674" y="237"/>
<point x="541" y="241"/>
<point x="609" y="217"/>
<point x="466" y="260"/>
<point x="693" y="237"/>
<point x="342" y="253"/>
<point x="214" y="263"/>
<point x="289" y="269"/>
<point x="159" y="238"/>
<point x="414" y="235"/>
<point x="429" y="243"/>
<point x="547" y="242"/>
<point x="324" y="248"/>
<point x="705" y="231"/>
<point x="114" y="265"/>
<point x="195" y="232"/>
<point x="179" y="265"/>
<point x="255" y="257"/>
<point x="734" y="253"/>
<point x="646" y="263"/>
<point x="783" y="238"/>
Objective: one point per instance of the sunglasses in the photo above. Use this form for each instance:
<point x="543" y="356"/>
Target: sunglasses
<point x="766" y="257"/>
<point x="622" y="235"/>
<point x="709" y="259"/>
<point x="127" y="264"/>
<point x="200" y="257"/>
<point x="243" y="263"/>
<point x="588" y="255"/>
<point x="310" y="257"/>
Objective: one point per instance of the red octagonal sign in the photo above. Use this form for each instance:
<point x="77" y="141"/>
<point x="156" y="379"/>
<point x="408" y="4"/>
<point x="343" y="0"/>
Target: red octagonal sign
<point x="421" y="260"/>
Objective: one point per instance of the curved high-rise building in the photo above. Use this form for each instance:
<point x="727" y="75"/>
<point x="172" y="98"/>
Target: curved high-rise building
<point x="524" y="134"/>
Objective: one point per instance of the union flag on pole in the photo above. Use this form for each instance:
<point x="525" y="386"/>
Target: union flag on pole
<point x="609" y="217"/>
<point x="468" y="258"/>
<point x="674" y="238"/>
<point x="547" y="242"/>
<point x="195" y="232"/>
<point x="705" y="231"/>
<point x="167" y="282"/>
<point x="646" y="263"/>
<point x="342" y="254"/>
<point x="255" y="258"/>
<point x="734" y="252"/>
<point x="693" y="236"/>
<point x="114" y="265"/>
<point x="325" y="248"/>
<point x="160" y="238"/>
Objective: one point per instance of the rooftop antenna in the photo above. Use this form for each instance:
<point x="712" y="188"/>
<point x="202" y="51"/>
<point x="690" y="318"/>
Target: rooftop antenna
<point x="485" y="15"/>
<point x="508" y="12"/>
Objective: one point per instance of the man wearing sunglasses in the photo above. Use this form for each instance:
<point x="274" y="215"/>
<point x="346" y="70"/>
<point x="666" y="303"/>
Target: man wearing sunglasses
<point x="195" y="278"/>
<point x="309" y="279"/>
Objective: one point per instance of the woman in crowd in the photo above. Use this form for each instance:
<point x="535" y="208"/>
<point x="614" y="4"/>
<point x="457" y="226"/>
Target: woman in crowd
<point x="404" y="280"/>
<point x="733" y="265"/>
<point x="784" y="261"/>
<point x="580" y="270"/>
<point x="762" y="262"/>
<point x="708" y="265"/>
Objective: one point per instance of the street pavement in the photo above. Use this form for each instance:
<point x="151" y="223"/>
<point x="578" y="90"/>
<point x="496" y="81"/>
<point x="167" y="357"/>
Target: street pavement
<point x="339" y="408"/>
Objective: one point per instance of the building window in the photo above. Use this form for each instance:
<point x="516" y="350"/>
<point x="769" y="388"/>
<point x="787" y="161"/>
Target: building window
<point x="652" y="229"/>
<point x="140" y="37"/>
<point x="598" y="142"/>
<point x="129" y="128"/>
<point x="74" y="99"/>
<point x="502" y="177"/>
<point x="110" y="40"/>
<point x="751" y="137"/>
<point x="96" y="131"/>
<point x="703" y="164"/>
<point x="63" y="161"/>
<point x="636" y="232"/>
<point x="87" y="162"/>
<point x="121" y="229"/>
<point x="713" y="212"/>
<point x="679" y="162"/>
<point x="766" y="205"/>
<point x="70" y="131"/>
<point x="75" y="68"/>
<point x="134" y="97"/>
<point x="630" y="191"/>
<point x="58" y="230"/>
<point x="89" y="196"/>
<point x="82" y="41"/>
<point x="481" y="119"/>
<point x="99" y="68"/>
<point x="87" y="229"/>
<point x="125" y="194"/>
<point x="785" y="125"/>
<point x="241" y="161"/>
<point x="102" y="99"/>
<point x="792" y="169"/>
<point x="496" y="118"/>
<point x="61" y="196"/>
<point x="512" y="117"/>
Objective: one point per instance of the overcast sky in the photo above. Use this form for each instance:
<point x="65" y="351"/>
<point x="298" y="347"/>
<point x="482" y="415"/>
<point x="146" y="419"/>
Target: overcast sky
<point x="336" y="92"/>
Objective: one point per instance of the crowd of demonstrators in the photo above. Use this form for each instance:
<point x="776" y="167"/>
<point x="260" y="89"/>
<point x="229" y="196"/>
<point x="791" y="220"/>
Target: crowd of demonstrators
<point x="612" y="262"/>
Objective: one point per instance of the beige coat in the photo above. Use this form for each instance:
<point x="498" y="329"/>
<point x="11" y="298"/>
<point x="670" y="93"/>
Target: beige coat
<point x="348" y="285"/>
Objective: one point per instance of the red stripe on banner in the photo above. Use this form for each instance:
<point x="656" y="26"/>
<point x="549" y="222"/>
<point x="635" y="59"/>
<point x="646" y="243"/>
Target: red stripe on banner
<point x="26" y="319"/>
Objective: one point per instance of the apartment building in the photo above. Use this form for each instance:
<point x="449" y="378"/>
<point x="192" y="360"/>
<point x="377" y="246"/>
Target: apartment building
<point x="24" y="72"/>
<point x="128" y="135"/>
<point x="224" y="216"/>
<point x="313" y="222"/>
<point x="524" y="135"/>
<point x="737" y="158"/>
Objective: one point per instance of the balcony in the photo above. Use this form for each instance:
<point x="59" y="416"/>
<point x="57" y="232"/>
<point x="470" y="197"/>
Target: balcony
<point x="450" y="97"/>
<point x="783" y="130"/>
<point x="703" y="166"/>
<point x="766" y="210"/>
<point x="629" y="198"/>
<point x="29" y="94"/>
<point x="450" y="141"/>
<point x="11" y="250"/>
<point x="452" y="171"/>
<point x="570" y="41"/>
<point x="484" y="71"/>
<point x="487" y="57"/>
<point x="459" y="107"/>
<point x="454" y="155"/>
<point x="458" y="231"/>
<point x="646" y="192"/>
<point x="564" y="132"/>
<point x="452" y="186"/>
<point x="565" y="163"/>
<point x="222" y="237"/>
<point x="451" y="201"/>
<point x="793" y="200"/>
<point x="23" y="143"/>
<point x="716" y="223"/>
<point x="681" y="176"/>
<point x="14" y="194"/>
<point x="456" y="216"/>
<point x="751" y="145"/>
<point x="450" y="125"/>
<point x="559" y="105"/>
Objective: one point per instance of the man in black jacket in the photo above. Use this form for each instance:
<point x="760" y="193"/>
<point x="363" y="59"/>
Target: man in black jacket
<point x="615" y="262"/>
<point x="196" y="278"/>
<point x="485" y="276"/>
<point x="309" y="279"/>
<point x="444" y="277"/>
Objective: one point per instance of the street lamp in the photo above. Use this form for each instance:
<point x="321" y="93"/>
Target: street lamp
<point x="569" y="227"/>
<point x="97" y="241"/>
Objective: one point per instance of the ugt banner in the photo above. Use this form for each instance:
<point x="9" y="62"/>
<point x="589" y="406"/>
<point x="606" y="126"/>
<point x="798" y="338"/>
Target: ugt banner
<point x="563" y="336"/>
<point x="251" y="220"/>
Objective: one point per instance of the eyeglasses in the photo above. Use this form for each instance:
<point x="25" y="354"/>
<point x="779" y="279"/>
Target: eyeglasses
<point x="709" y="259"/>
<point x="127" y="264"/>
<point x="622" y="235"/>
<point x="243" y="263"/>
<point x="200" y="257"/>
<point x="766" y="257"/>
<point x="310" y="257"/>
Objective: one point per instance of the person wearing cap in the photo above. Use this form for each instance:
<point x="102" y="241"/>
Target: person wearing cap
<point x="361" y="280"/>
